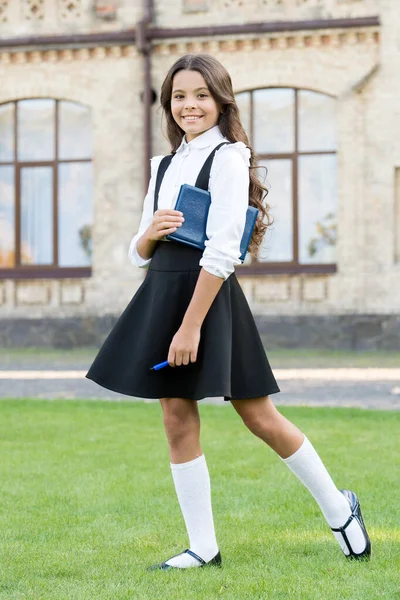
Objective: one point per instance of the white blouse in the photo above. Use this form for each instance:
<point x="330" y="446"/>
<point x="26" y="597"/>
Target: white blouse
<point x="229" y="188"/>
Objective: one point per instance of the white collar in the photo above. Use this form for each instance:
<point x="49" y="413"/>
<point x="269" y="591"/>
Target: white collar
<point x="208" y="138"/>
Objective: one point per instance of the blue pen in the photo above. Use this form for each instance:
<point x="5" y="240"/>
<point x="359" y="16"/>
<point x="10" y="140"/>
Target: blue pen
<point x="160" y="366"/>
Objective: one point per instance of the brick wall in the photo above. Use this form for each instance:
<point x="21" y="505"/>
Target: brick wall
<point x="109" y="81"/>
<point x="210" y="12"/>
<point x="358" y="66"/>
<point x="45" y="17"/>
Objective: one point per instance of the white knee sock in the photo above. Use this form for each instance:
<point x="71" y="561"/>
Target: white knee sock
<point x="192" y="485"/>
<point x="308" y="467"/>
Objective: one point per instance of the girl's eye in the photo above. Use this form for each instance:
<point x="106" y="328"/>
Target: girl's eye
<point x="178" y="96"/>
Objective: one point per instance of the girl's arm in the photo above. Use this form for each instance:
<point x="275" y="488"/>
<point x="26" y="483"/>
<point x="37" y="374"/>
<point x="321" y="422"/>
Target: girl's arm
<point x="206" y="289"/>
<point x="229" y="187"/>
<point x="145" y="246"/>
<point x="185" y="343"/>
<point x="165" y="221"/>
<point x="225" y="225"/>
<point x="142" y="259"/>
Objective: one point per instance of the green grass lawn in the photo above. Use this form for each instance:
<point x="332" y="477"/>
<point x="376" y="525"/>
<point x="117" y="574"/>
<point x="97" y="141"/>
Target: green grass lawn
<point x="319" y="358"/>
<point x="87" y="502"/>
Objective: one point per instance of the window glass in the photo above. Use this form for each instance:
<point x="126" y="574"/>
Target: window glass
<point x="277" y="245"/>
<point x="243" y="102"/>
<point x="33" y="121"/>
<point x="317" y="119"/>
<point x="36" y="135"/>
<point x="75" y="215"/>
<point x="36" y="216"/>
<point x="75" y="139"/>
<point x="7" y="132"/>
<point x="317" y="209"/>
<point x="7" y="217"/>
<point x="273" y="120"/>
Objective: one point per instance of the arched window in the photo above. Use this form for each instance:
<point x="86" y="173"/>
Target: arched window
<point x="294" y="133"/>
<point x="45" y="189"/>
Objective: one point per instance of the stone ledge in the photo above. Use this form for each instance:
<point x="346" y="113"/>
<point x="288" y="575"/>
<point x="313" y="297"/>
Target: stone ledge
<point x="337" y="332"/>
<point x="240" y="42"/>
<point x="21" y="57"/>
<point x="334" y="332"/>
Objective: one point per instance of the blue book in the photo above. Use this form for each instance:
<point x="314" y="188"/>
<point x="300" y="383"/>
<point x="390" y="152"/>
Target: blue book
<point x="194" y="203"/>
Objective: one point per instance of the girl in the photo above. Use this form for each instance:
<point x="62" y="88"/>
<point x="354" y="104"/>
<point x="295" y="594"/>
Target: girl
<point x="191" y="309"/>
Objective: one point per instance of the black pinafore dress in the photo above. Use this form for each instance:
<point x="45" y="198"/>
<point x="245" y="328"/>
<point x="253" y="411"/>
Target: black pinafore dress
<point x="231" y="361"/>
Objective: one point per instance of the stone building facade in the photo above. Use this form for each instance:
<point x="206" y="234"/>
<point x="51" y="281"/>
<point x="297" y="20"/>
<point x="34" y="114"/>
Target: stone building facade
<point x="333" y="63"/>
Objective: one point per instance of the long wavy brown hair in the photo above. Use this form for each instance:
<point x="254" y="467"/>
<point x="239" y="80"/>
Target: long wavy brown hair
<point x="219" y="83"/>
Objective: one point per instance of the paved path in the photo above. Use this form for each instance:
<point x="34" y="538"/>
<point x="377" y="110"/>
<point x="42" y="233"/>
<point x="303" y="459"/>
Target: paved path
<point x="365" y="388"/>
<point x="339" y="374"/>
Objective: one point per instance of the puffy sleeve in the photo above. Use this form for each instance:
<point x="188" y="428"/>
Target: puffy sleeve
<point x="147" y="215"/>
<point x="229" y="188"/>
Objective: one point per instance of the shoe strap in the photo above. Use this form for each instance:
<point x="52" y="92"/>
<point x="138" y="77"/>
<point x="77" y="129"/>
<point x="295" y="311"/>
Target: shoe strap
<point x="346" y="539"/>
<point x="341" y="529"/>
<point x="201" y="561"/>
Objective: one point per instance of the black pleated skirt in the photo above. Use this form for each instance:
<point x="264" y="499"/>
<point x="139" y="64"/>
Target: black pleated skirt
<point x="231" y="361"/>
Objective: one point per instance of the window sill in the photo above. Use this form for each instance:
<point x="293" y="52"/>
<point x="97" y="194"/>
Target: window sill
<point x="45" y="273"/>
<point x="262" y="269"/>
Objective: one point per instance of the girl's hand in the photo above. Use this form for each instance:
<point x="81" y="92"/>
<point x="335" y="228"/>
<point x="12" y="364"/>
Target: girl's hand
<point x="184" y="346"/>
<point x="165" y="221"/>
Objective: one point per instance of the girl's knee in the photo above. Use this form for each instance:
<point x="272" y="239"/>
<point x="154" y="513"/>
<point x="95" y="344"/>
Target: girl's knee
<point x="262" y="421"/>
<point x="180" y="417"/>
<point x="259" y="426"/>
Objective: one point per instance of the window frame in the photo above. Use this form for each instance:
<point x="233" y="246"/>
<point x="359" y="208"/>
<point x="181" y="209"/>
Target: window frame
<point x="39" y="271"/>
<point x="289" y="267"/>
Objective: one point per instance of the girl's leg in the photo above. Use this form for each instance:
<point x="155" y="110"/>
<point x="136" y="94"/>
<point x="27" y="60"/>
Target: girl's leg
<point x="191" y="479"/>
<point x="264" y="420"/>
<point x="182" y="427"/>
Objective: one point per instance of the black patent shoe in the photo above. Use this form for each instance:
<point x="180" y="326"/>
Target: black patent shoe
<point x="355" y="514"/>
<point x="216" y="562"/>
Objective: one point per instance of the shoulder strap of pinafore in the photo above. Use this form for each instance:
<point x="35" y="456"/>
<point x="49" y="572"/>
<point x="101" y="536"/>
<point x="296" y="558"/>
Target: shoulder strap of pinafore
<point x="202" y="178"/>
<point x="204" y="175"/>
<point x="162" y="167"/>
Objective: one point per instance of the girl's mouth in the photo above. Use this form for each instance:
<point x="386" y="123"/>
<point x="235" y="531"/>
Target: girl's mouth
<point x="191" y="119"/>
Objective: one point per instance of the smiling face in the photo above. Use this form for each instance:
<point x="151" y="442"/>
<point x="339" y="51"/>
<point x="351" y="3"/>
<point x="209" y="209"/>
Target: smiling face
<point x="192" y="105"/>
